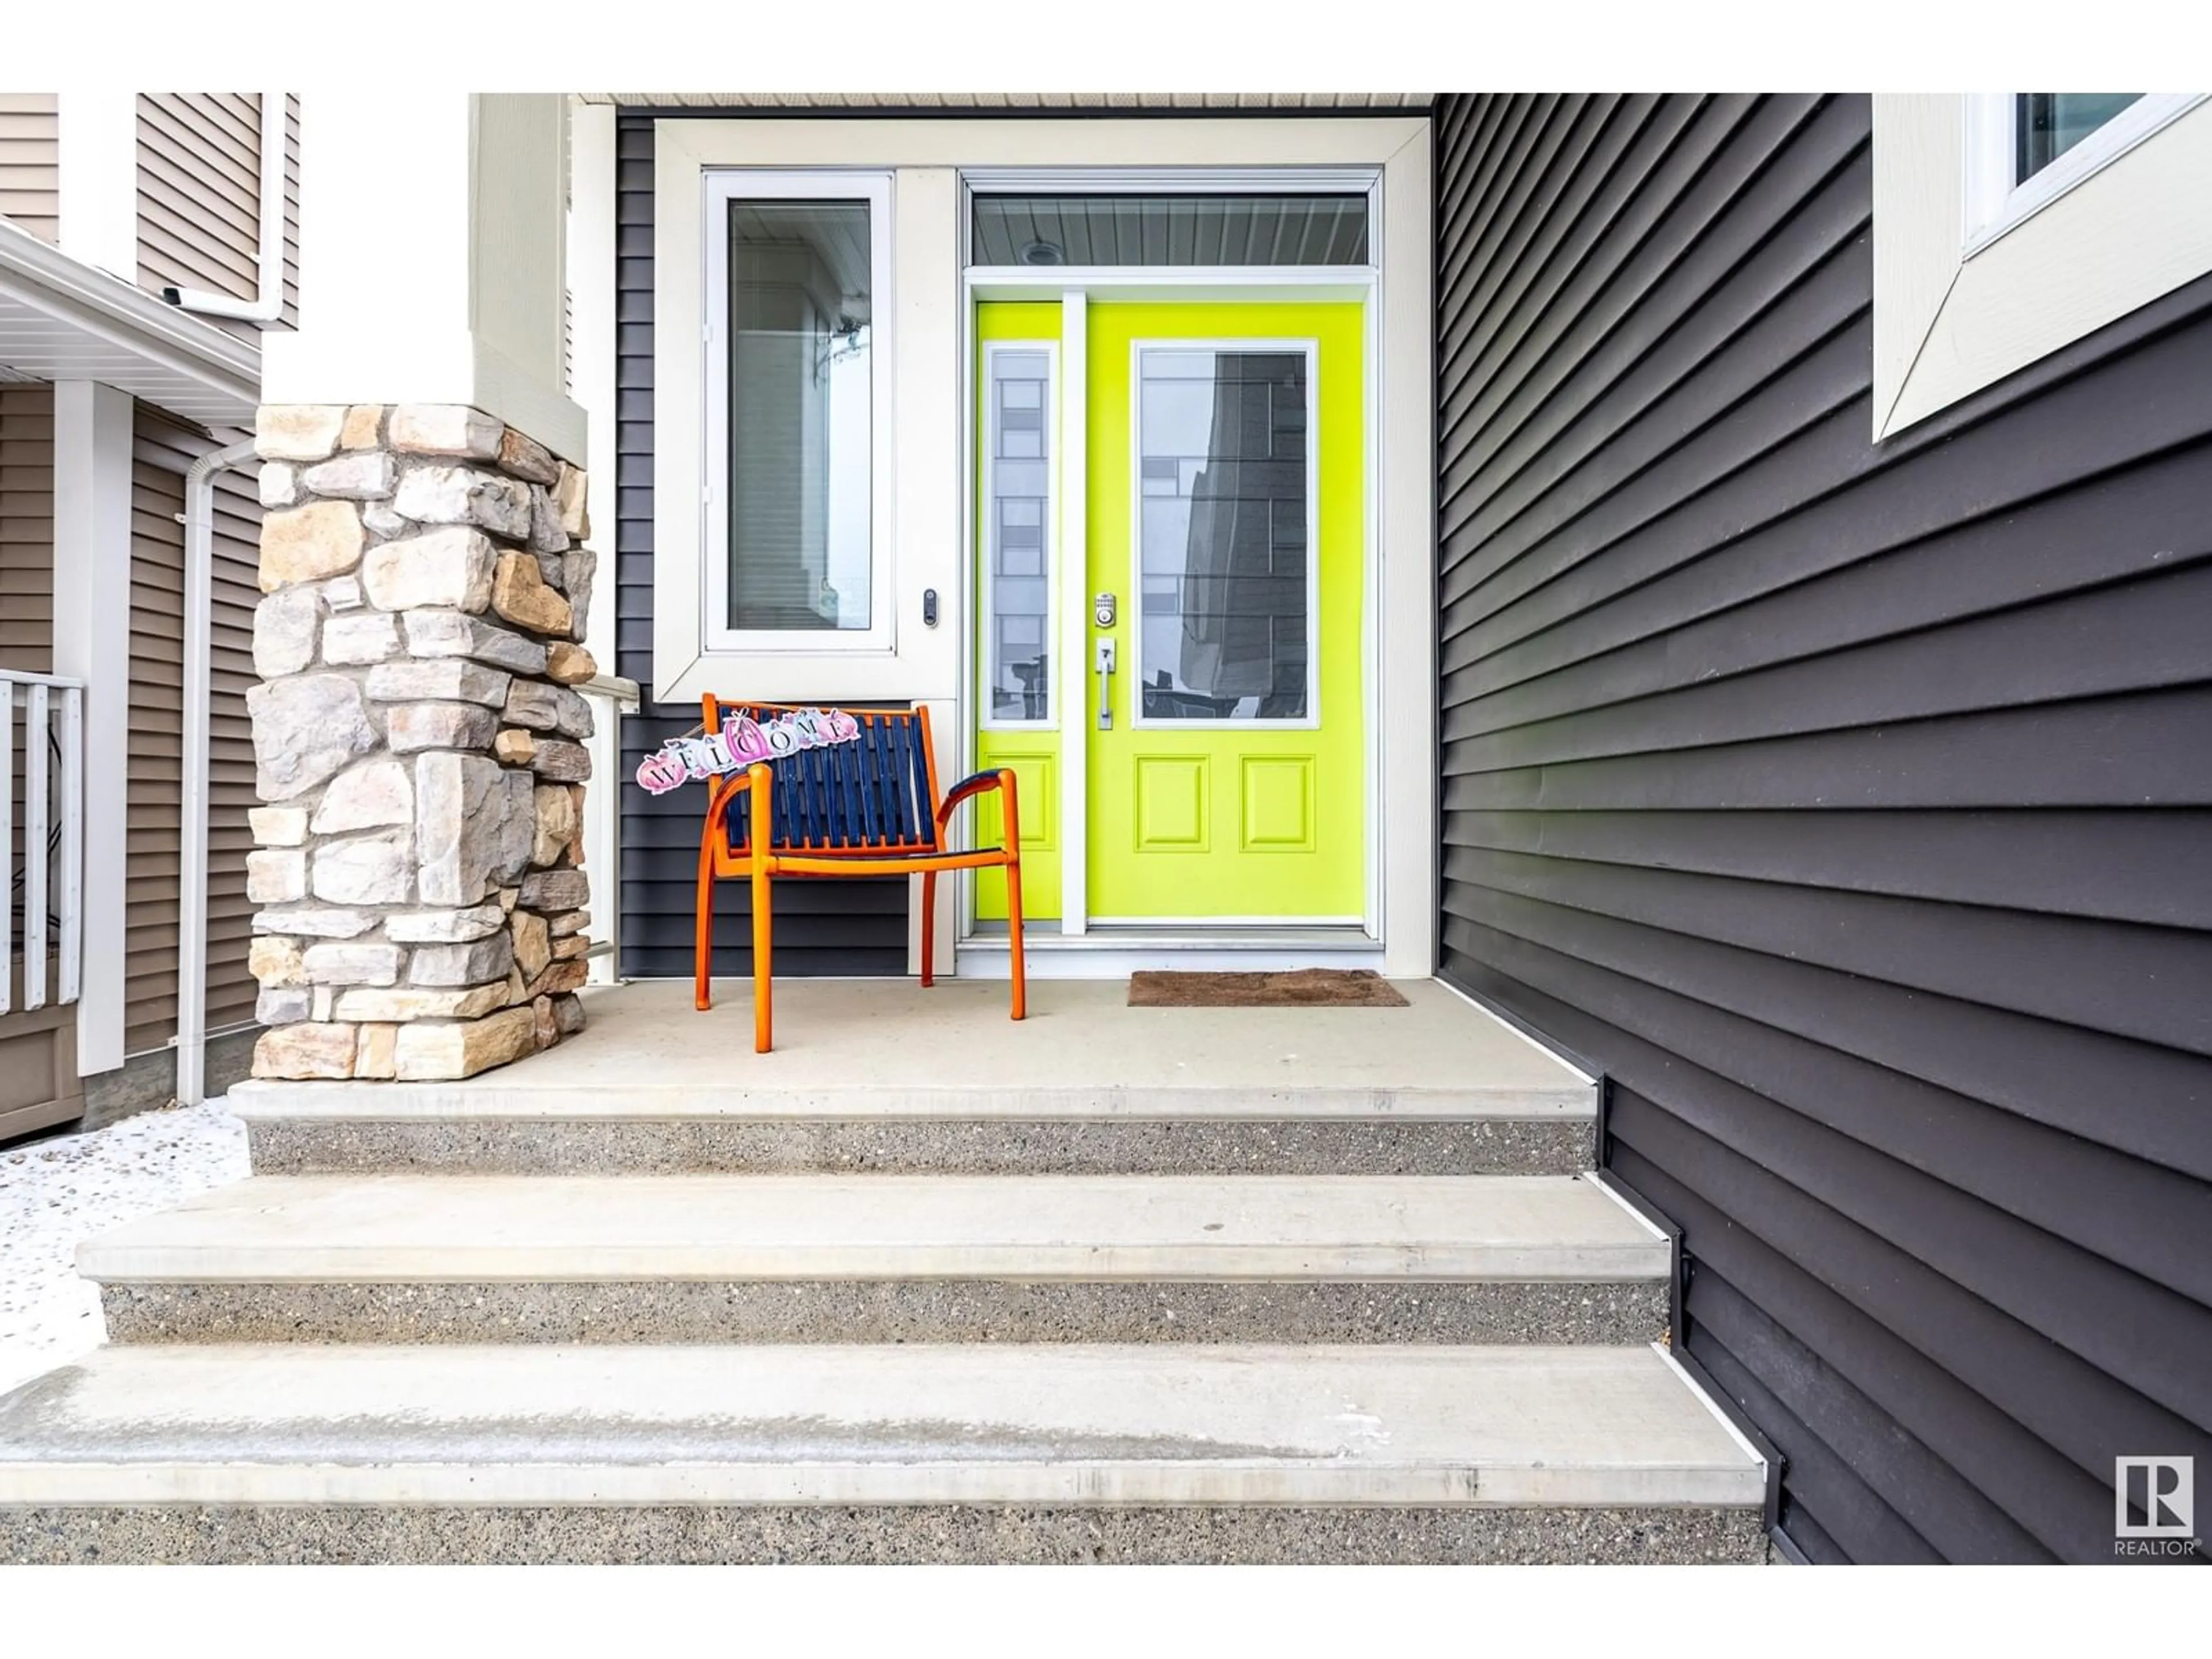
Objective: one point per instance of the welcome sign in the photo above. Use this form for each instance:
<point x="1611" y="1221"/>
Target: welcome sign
<point x="740" y="743"/>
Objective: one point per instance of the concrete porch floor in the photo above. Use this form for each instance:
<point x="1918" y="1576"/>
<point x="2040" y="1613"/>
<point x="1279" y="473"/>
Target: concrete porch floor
<point x="889" y="1048"/>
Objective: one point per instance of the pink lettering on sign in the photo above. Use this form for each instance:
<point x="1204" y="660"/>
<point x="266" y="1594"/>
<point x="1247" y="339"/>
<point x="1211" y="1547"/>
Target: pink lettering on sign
<point x="742" y="742"/>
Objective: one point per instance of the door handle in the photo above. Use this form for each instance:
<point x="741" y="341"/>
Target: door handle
<point x="1105" y="658"/>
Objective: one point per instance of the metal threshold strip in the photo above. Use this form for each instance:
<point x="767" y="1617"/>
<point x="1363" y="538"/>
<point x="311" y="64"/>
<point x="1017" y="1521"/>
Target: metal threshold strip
<point x="1106" y="952"/>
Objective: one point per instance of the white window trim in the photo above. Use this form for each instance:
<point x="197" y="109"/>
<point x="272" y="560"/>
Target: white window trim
<point x="718" y="188"/>
<point x="1962" y="299"/>
<point x="1995" y="202"/>
<point x="985" y="688"/>
<point x="1309" y="349"/>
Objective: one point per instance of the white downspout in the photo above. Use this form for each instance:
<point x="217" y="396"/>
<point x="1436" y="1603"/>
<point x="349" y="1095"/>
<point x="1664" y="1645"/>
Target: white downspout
<point x="267" y="307"/>
<point x="192" y="865"/>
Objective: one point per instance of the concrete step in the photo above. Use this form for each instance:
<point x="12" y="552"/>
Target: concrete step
<point x="888" y="1258"/>
<point x="881" y="1076"/>
<point x="912" y="1453"/>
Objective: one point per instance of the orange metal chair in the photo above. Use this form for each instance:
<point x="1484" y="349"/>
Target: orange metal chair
<point x="864" y="808"/>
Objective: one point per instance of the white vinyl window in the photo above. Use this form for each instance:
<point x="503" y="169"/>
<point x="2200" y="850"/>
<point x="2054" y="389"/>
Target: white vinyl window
<point x="2008" y="225"/>
<point x="2026" y="149"/>
<point x="797" y="504"/>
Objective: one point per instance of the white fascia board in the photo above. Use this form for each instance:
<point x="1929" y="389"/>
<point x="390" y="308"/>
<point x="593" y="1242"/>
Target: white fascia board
<point x="97" y="313"/>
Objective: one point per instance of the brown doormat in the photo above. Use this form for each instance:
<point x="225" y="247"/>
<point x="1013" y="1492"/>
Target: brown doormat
<point x="1307" y="987"/>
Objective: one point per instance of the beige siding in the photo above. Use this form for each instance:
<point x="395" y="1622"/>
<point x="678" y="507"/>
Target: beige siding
<point x="162" y="452"/>
<point x="37" y="1050"/>
<point x="27" y="528"/>
<point x="200" y="181"/>
<point x="27" y="618"/>
<point x="30" y="162"/>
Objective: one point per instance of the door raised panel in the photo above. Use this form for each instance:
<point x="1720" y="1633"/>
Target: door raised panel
<point x="1172" y="799"/>
<point x="1276" y="804"/>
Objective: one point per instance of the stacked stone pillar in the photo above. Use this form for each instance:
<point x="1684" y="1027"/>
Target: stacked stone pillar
<point x="418" y="744"/>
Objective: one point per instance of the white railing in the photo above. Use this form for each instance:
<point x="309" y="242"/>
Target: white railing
<point x="42" y="718"/>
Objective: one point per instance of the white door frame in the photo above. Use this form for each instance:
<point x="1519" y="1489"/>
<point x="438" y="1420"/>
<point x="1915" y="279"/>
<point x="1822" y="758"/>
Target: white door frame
<point x="932" y="545"/>
<point x="1071" y="699"/>
<point x="1074" y="288"/>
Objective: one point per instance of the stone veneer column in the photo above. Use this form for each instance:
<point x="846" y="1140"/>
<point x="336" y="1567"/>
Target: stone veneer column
<point x="418" y="870"/>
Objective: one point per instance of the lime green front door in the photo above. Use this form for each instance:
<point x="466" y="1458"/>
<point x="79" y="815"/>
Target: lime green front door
<point x="1215" y="715"/>
<point x="1227" y="519"/>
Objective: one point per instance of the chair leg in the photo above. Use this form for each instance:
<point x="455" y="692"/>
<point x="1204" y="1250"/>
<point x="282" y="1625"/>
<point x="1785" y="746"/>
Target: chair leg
<point x="763" y="986"/>
<point x="1014" y="936"/>
<point x="928" y="928"/>
<point x="703" y="939"/>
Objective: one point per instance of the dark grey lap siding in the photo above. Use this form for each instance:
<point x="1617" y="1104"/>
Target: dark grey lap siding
<point x="1850" y="804"/>
<point x="835" y="927"/>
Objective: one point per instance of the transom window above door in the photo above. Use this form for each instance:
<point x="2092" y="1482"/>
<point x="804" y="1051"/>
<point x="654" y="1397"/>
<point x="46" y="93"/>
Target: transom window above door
<point x="1166" y="230"/>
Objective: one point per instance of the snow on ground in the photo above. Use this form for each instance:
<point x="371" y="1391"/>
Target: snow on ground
<point x="55" y="1193"/>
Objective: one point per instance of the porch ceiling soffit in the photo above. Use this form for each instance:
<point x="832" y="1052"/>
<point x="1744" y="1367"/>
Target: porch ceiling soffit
<point x="60" y="319"/>
<point x="1369" y="102"/>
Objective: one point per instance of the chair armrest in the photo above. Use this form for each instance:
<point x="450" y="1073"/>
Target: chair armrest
<point x="967" y="789"/>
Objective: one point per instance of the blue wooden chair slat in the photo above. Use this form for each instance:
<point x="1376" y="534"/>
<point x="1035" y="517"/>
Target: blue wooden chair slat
<point x="850" y="796"/>
<point x="886" y="781"/>
<point x="817" y="813"/>
<point x="871" y="823"/>
<point x="821" y="782"/>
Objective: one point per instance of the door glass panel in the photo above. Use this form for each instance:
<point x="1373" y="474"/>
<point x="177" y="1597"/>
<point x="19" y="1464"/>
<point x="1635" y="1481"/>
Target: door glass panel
<point x="800" y="385"/>
<point x="1223" y="532"/>
<point x="1017" y="536"/>
<point x="1171" y="230"/>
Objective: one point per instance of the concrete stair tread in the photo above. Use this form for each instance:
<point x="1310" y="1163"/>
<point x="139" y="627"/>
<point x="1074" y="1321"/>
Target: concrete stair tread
<point x="564" y="1228"/>
<point x="915" y="1424"/>
<point x="881" y="1051"/>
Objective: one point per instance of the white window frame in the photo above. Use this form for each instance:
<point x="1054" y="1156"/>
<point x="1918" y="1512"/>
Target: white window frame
<point x="1975" y="277"/>
<point x="987" y="613"/>
<point x="1309" y="349"/>
<point x="1996" y="201"/>
<point x="719" y="187"/>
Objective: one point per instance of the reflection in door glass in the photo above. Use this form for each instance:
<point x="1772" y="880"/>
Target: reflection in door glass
<point x="1222" y="534"/>
<point x="1017" y="510"/>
